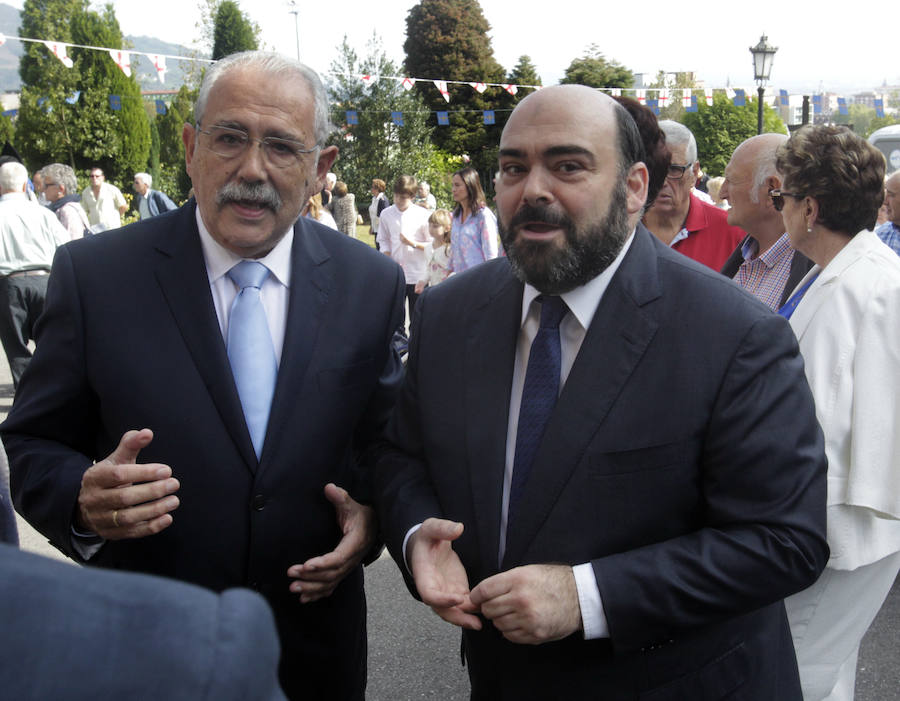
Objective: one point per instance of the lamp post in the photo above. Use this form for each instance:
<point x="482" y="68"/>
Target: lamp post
<point x="763" y="55"/>
<point x="296" y="12"/>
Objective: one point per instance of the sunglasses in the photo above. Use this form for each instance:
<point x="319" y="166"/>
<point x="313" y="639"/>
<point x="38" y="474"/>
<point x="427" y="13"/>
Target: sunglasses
<point x="778" y="196"/>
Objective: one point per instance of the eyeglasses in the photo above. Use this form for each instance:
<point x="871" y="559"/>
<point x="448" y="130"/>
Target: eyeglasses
<point x="778" y="196"/>
<point x="232" y="143"/>
<point x="46" y="184"/>
<point x="676" y="172"/>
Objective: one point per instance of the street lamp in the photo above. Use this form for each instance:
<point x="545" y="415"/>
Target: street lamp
<point x="296" y="12"/>
<point x="763" y="55"/>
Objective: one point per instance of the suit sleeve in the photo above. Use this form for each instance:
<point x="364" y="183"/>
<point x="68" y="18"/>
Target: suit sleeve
<point x="49" y="434"/>
<point x="762" y="478"/>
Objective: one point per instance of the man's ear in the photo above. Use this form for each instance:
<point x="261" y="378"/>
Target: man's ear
<point x="189" y="137"/>
<point x="636" y="183"/>
<point x="327" y="157"/>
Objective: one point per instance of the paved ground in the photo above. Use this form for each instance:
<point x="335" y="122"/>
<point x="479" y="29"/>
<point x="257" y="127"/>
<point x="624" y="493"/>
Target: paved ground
<point x="414" y="655"/>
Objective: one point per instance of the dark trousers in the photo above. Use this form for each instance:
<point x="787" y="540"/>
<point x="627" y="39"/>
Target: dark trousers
<point x="21" y="303"/>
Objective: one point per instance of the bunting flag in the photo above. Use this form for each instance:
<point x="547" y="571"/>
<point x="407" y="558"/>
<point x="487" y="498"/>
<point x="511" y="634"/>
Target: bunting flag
<point x="663" y="96"/>
<point x="692" y="106"/>
<point x="59" y="50"/>
<point x="489" y="117"/>
<point x="708" y="94"/>
<point x="161" y="107"/>
<point x="817" y="104"/>
<point x="783" y="99"/>
<point x="352" y="117"/>
<point x="368" y="79"/>
<point x="159" y="63"/>
<point x="511" y="89"/>
<point x="408" y="83"/>
<point x="73" y="98"/>
<point x="879" y="108"/>
<point x="443" y="118"/>
<point x="686" y="98"/>
<point x="842" y="106"/>
<point x="478" y="87"/>
<point x="115" y="102"/>
<point x="616" y="92"/>
<point x="740" y="98"/>
<point x="653" y="105"/>
<point x="397" y="118"/>
<point x="441" y="85"/>
<point x="640" y="96"/>
<point x="2" y="39"/>
<point x="122" y="60"/>
<point x="730" y="93"/>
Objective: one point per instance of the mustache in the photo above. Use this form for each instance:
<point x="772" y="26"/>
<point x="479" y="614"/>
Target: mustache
<point x="540" y="214"/>
<point x="262" y="194"/>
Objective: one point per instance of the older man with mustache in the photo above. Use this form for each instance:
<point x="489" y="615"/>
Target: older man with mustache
<point x="209" y="382"/>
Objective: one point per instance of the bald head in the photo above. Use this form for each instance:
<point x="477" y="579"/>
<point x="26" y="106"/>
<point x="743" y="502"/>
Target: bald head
<point x="758" y="152"/>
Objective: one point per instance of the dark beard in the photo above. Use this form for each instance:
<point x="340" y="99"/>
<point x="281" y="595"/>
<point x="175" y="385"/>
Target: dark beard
<point x="554" y="270"/>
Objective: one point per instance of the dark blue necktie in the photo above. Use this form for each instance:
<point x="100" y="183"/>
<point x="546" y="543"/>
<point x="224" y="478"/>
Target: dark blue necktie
<point x="250" y="349"/>
<point x="539" y="395"/>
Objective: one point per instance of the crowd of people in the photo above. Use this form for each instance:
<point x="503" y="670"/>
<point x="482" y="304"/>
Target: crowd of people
<point x="642" y="446"/>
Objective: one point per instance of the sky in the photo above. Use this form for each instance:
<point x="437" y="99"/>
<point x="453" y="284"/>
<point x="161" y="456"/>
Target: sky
<point x="816" y="49"/>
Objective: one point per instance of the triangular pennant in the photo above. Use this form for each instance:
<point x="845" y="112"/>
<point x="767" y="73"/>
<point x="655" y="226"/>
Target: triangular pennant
<point x="511" y="89"/>
<point x="408" y="83"/>
<point x="59" y="50"/>
<point x="478" y="87"/>
<point x="122" y="60"/>
<point x="441" y="85"/>
<point x="368" y="79"/>
<point x="159" y="63"/>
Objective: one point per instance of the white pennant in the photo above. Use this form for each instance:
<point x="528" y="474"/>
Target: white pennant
<point x="708" y="94"/>
<point x="408" y="83"/>
<point x="686" y="97"/>
<point x="511" y="89"/>
<point x="729" y="93"/>
<point x="616" y="92"/>
<point x="159" y="62"/>
<point x="441" y="85"/>
<point x="122" y="60"/>
<point x="641" y="96"/>
<point x="478" y="87"/>
<point x="59" y="50"/>
<point x="2" y="39"/>
<point x="664" y="96"/>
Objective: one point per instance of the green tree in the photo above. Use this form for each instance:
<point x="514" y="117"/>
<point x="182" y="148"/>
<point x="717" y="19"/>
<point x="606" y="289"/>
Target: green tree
<point x="674" y="82"/>
<point x="880" y="122"/>
<point x="719" y="129"/>
<point x="7" y="130"/>
<point x="859" y="117"/>
<point x="65" y="113"/>
<point x="448" y="39"/>
<point x="596" y="71"/>
<point x="376" y="147"/>
<point x="233" y="31"/>
<point x="173" y="177"/>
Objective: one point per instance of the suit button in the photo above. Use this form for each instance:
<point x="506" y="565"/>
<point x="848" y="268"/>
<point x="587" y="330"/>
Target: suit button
<point x="258" y="502"/>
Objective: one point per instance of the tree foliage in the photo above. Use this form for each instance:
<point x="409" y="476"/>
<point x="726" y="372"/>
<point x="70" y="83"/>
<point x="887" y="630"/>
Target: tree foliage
<point x="233" y="31"/>
<point x="376" y="147"/>
<point x="173" y="178"/>
<point x="65" y="113"/>
<point x="719" y="129"/>
<point x="596" y="71"/>
<point x="448" y="39"/>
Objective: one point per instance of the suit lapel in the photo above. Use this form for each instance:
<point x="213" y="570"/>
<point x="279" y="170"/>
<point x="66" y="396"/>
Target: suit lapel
<point x="490" y="357"/>
<point x="311" y="281"/>
<point x="181" y="273"/>
<point x="618" y="337"/>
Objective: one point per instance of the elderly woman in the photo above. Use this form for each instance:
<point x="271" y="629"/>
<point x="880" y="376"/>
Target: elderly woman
<point x="846" y="315"/>
<point x="474" y="233"/>
<point x="343" y="208"/>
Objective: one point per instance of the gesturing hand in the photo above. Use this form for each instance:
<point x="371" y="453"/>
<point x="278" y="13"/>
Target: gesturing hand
<point x="121" y="499"/>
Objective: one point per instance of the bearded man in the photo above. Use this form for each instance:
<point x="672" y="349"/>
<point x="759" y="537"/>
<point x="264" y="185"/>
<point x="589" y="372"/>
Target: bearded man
<point x="587" y="468"/>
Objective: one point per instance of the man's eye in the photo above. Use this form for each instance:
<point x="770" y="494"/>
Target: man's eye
<point x="228" y="139"/>
<point x="513" y="169"/>
<point x="281" y="148"/>
<point x="569" y="167"/>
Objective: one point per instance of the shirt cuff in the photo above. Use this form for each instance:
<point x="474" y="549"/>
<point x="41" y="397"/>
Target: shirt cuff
<point x="86" y="544"/>
<point x="593" y="618"/>
<point x="405" y="541"/>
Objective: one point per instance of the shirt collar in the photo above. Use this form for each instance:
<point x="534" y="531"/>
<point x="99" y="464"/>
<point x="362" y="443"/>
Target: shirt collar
<point x="219" y="260"/>
<point x="770" y="257"/>
<point x="583" y="300"/>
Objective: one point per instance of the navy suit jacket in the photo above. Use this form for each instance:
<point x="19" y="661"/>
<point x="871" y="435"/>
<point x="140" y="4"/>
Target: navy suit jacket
<point x="130" y="339"/>
<point x="683" y="461"/>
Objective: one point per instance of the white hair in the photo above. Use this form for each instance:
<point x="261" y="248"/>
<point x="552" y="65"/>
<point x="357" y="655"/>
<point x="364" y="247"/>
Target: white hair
<point x="145" y="178"/>
<point x="679" y="135"/>
<point x="330" y="178"/>
<point x="13" y="177"/>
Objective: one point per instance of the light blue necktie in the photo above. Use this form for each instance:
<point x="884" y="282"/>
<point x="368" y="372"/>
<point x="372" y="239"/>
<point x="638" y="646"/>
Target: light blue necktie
<point x="250" y="349"/>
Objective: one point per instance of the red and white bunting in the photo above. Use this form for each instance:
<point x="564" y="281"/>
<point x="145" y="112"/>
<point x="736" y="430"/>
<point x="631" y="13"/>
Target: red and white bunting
<point x="478" y="87"/>
<point x="730" y="93"/>
<point x="2" y="39"/>
<point x="511" y="89"/>
<point x="408" y="83"/>
<point x="159" y="63"/>
<point x="641" y="96"/>
<point x="663" y="97"/>
<point x="708" y="94"/>
<point x="369" y="79"/>
<point x="441" y="85"/>
<point x="686" y="97"/>
<point x="122" y="60"/>
<point x="59" y="50"/>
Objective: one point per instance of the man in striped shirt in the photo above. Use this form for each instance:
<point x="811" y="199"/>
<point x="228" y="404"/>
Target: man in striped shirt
<point x="889" y="232"/>
<point x="763" y="263"/>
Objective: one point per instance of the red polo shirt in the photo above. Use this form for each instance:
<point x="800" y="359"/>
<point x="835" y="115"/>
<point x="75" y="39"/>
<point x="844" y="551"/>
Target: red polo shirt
<point x="710" y="238"/>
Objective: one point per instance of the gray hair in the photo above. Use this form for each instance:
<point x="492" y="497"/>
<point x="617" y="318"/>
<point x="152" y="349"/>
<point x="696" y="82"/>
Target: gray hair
<point x="679" y="135"/>
<point x="63" y="175"/>
<point x="145" y="178"/>
<point x="764" y="161"/>
<point x="13" y="177"/>
<point x="276" y="65"/>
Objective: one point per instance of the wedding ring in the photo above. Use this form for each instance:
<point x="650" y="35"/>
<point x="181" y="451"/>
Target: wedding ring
<point x="116" y="518"/>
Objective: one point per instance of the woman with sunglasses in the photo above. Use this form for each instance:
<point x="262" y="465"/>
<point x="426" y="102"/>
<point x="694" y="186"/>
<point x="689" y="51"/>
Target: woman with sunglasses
<point x="846" y="315"/>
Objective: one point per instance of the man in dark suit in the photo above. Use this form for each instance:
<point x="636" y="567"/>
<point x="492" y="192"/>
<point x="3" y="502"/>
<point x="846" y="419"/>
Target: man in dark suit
<point x="259" y="453"/>
<point x="764" y="263"/>
<point x="635" y="537"/>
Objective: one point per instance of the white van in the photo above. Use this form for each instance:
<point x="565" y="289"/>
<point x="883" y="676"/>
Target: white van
<point x="887" y="140"/>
